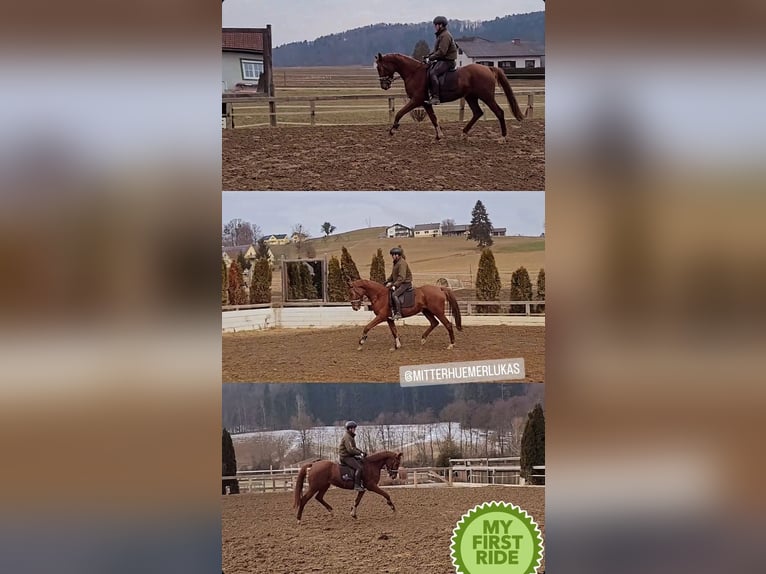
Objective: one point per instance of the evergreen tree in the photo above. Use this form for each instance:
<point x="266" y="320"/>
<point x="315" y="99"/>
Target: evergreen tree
<point x="237" y="292"/>
<point x="224" y="284"/>
<point x="308" y="288"/>
<point x="243" y="263"/>
<point x="378" y="267"/>
<point x="348" y="267"/>
<point x="336" y="287"/>
<point x="488" y="281"/>
<point x="533" y="444"/>
<point x="260" y="286"/>
<point x="327" y="228"/>
<point x="447" y="450"/>
<point x="421" y="50"/>
<point x="540" y="296"/>
<point x="521" y="289"/>
<point x="229" y="465"/>
<point x="262" y="249"/>
<point x="480" y="229"/>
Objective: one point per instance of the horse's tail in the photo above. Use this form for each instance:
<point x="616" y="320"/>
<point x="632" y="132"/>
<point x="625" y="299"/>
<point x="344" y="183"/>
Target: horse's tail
<point x="454" y="308"/>
<point x="299" y="484"/>
<point x="503" y="81"/>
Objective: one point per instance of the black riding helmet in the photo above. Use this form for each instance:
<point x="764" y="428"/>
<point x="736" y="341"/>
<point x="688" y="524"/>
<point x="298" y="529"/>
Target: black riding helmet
<point x="396" y="251"/>
<point x="350" y="425"/>
<point x="441" y="20"/>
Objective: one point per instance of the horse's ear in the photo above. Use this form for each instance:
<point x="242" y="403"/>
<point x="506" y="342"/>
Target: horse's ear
<point x="378" y="57"/>
<point x="400" y="455"/>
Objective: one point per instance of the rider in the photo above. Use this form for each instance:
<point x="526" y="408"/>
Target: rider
<point x="350" y="455"/>
<point x="442" y="59"/>
<point x="400" y="280"/>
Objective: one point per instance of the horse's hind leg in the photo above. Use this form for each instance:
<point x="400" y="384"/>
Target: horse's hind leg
<point x="320" y="498"/>
<point x="434" y="324"/>
<point x="473" y="103"/>
<point x="304" y="499"/>
<point x="430" y="111"/>
<point x="448" y="325"/>
<point x="495" y="107"/>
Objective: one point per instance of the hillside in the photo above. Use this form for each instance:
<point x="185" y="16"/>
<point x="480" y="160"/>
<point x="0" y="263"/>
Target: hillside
<point x="359" y="46"/>
<point x="429" y="257"/>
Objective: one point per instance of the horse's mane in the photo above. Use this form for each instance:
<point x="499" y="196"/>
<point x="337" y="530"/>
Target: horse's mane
<point x="367" y="282"/>
<point x="404" y="57"/>
<point x="376" y="456"/>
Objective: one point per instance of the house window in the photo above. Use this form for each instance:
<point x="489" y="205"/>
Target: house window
<point x="507" y="64"/>
<point x="251" y="69"/>
<point x="486" y="63"/>
<point x="529" y="63"/>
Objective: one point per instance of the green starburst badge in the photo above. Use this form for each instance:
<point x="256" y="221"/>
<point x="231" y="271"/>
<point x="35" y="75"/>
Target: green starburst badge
<point x="494" y="538"/>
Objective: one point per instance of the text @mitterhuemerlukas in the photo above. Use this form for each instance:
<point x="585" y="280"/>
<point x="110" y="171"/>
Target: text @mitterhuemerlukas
<point x="493" y="370"/>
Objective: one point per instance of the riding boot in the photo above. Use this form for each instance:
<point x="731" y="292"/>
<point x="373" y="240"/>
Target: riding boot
<point x="434" y="99"/>
<point x="397" y="314"/>
<point x="358" y="481"/>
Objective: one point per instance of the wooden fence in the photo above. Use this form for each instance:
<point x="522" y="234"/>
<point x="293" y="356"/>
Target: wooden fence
<point x="238" y="110"/>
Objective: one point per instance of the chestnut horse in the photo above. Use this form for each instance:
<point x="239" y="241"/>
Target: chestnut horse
<point x="474" y="82"/>
<point x="429" y="300"/>
<point x="325" y="473"/>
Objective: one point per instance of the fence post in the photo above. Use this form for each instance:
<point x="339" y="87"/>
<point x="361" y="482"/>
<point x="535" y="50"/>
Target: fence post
<point x="415" y="478"/>
<point x="528" y="306"/>
<point x="229" y="114"/>
<point x="530" y="112"/>
<point x="391" y="108"/>
<point x="272" y="113"/>
<point x="312" y="107"/>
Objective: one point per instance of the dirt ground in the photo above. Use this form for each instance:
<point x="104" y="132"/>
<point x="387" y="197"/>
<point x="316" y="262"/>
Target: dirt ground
<point x="330" y="355"/>
<point x="260" y="533"/>
<point x="366" y="158"/>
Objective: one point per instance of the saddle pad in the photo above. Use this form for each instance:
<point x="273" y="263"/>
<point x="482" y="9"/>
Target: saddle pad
<point x="407" y="298"/>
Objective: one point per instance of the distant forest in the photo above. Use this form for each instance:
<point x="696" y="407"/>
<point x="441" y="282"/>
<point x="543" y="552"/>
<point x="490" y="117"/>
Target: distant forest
<point x="359" y="46"/>
<point x="266" y="406"/>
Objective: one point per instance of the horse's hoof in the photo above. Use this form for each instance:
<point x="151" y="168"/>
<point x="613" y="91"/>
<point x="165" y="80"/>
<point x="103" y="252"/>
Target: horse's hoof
<point x="502" y="140"/>
<point x="359" y="348"/>
<point x="452" y="346"/>
<point x="392" y="349"/>
<point x="422" y="341"/>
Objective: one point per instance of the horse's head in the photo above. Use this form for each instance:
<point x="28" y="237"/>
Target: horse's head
<point x="355" y="294"/>
<point x="392" y="465"/>
<point x="385" y="71"/>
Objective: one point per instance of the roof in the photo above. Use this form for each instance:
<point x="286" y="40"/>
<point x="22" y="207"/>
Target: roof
<point x="426" y="226"/>
<point x="234" y="251"/>
<point x="242" y="39"/>
<point x="277" y="235"/>
<point x="398" y="225"/>
<point x="481" y="48"/>
<point x="455" y="228"/>
<point x="499" y="229"/>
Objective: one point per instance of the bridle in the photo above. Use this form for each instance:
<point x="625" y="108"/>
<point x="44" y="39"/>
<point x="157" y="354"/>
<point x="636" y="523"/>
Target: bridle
<point x="386" y="81"/>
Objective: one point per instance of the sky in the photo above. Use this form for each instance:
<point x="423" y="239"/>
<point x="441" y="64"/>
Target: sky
<point x="297" y="20"/>
<point x="521" y="212"/>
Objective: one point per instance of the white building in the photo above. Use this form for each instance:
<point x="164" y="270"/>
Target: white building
<point x="428" y="230"/>
<point x="511" y="55"/>
<point x="399" y="230"/>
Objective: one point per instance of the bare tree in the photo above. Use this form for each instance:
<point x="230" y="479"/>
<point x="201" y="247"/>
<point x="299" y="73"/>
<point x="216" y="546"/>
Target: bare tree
<point x="299" y="237"/>
<point x="448" y="225"/>
<point x="240" y="232"/>
<point x="303" y="423"/>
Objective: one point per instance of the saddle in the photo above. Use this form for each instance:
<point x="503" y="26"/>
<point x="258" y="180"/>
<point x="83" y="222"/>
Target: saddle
<point x="407" y="299"/>
<point x="347" y="473"/>
<point x="448" y="89"/>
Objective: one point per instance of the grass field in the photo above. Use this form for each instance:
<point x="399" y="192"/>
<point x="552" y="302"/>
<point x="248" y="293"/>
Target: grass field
<point x="356" y="81"/>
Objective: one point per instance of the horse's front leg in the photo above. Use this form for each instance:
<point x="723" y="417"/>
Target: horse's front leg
<point x="434" y="121"/>
<point x="377" y="320"/>
<point x="359" y="496"/>
<point x="409" y="106"/>
<point x="375" y="488"/>
<point x="395" y="334"/>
